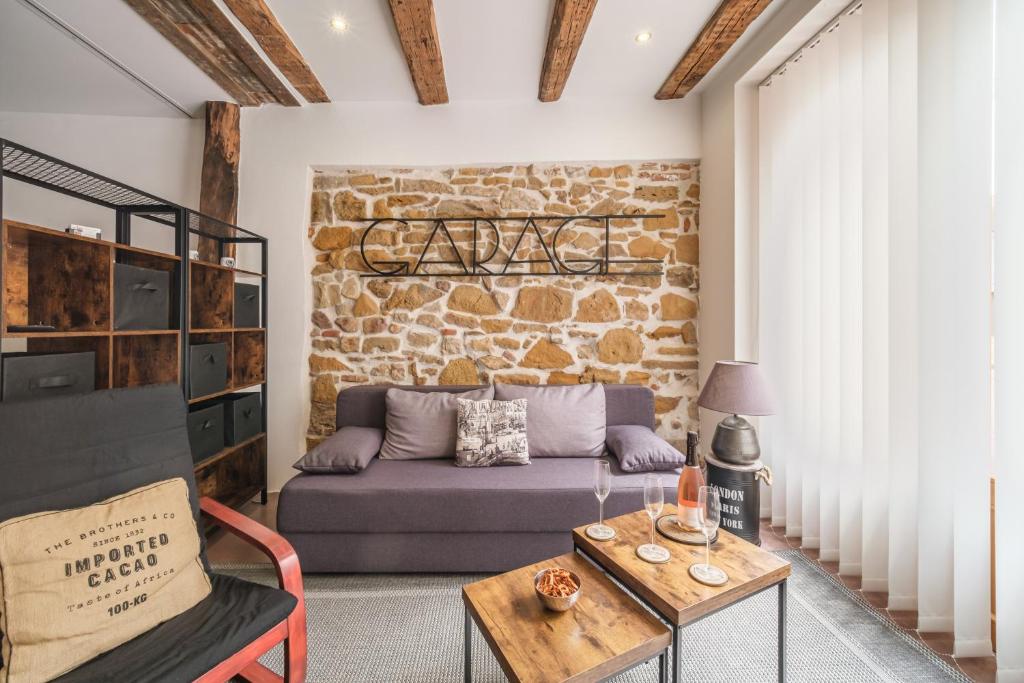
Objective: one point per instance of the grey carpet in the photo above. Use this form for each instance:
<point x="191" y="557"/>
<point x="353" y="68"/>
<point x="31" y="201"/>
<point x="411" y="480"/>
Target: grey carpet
<point x="408" y="629"/>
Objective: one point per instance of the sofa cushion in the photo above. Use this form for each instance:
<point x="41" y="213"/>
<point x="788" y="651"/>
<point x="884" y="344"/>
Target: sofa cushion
<point x="347" y="451"/>
<point x="639" y="449"/>
<point x="561" y="421"/>
<point x="60" y="569"/>
<point x="424" y="425"/>
<point x="491" y="433"/>
<point x="234" y="614"/>
<point x="411" y="496"/>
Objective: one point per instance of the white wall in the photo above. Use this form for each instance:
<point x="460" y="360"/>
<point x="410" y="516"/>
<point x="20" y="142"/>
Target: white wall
<point x="279" y="146"/>
<point x="162" y="156"/>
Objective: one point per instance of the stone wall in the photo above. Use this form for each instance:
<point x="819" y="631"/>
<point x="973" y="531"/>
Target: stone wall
<point x="534" y="330"/>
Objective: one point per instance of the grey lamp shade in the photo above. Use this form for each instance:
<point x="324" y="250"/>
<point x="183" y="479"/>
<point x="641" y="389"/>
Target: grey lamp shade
<point x="737" y="387"/>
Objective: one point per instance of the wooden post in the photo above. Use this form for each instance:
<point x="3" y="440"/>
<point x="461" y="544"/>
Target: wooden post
<point x="218" y="196"/>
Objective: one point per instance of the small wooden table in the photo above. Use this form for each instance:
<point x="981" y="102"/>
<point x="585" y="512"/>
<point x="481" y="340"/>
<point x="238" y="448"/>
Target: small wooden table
<point x="668" y="588"/>
<point x="604" y="634"/>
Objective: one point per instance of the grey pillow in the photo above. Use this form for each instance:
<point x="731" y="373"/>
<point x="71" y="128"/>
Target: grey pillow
<point x="421" y="426"/>
<point x="639" y="449"/>
<point x="561" y="421"/>
<point x="491" y="433"/>
<point x="348" y="451"/>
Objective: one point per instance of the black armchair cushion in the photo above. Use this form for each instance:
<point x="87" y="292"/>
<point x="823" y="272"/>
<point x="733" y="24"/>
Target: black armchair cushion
<point x="75" y="450"/>
<point x="235" y="613"/>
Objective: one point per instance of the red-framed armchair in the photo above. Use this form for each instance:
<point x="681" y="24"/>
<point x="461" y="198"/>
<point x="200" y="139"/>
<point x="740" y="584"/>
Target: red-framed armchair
<point x="291" y="631"/>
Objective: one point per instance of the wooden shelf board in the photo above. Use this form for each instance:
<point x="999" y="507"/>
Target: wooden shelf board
<point x="210" y="330"/>
<point x="56" y="233"/>
<point x="55" y="335"/>
<point x="207" y="264"/>
<point x="138" y="333"/>
<point x="248" y="329"/>
<point x="147" y="252"/>
<point x="226" y="451"/>
<point x="227" y="391"/>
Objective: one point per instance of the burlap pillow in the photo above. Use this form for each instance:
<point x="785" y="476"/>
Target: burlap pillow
<point x="77" y="583"/>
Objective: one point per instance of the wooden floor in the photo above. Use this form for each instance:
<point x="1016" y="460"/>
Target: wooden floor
<point x="225" y="549"/>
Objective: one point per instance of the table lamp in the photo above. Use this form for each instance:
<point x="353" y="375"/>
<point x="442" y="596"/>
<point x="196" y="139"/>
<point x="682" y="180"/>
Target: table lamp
<point x="736" y="387"/>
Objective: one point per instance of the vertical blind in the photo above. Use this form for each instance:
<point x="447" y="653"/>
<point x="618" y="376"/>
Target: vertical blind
<point x="877" y="219"/>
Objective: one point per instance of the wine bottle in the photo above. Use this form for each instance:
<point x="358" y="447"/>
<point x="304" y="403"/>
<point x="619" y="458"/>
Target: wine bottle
<point x="690" y="481"/>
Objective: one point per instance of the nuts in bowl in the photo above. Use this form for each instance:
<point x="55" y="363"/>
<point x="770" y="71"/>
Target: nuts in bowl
<point x="557" y="588"/>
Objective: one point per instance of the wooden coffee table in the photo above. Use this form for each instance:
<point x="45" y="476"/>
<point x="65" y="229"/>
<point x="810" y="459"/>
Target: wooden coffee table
<point x="604" y="634"/>
<point x="669" y="590"/>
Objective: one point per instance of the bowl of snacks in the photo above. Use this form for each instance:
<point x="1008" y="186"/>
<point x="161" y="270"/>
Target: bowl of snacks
<point x="557" y="588"/>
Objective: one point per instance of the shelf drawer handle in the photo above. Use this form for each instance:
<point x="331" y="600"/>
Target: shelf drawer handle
<point x="249" y="297"/>
<point x="206" y="424"/>
<point x="210" y="359"/>
<point x="247" y="413"/>
<point x="54" y="382"/>
<point x="144" y="287"/>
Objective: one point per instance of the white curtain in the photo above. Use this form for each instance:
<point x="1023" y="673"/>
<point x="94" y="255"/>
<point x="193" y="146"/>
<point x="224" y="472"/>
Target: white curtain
<point x="877" y="332"/>
<point x="1009" y="337"/>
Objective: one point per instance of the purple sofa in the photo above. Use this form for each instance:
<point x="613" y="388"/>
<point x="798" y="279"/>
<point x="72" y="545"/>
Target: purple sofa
<point x="430" y="516"/>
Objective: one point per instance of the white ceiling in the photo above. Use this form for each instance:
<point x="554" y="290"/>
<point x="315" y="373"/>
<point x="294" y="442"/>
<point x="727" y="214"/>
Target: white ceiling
<point x="492" y="50"/>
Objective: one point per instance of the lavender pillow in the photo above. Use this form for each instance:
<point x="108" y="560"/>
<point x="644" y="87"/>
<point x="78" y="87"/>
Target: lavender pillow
<point x="561" y="421"/>
<point x="348" y="451"/>
<point x="423" y="425"/>
<point x="641" y="450"/>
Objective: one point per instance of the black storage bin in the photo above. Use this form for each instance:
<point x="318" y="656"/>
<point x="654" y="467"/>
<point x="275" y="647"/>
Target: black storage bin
<point x="243" y="417"/>
<point x="208" y="369"/>
<point x="247" y="305"/>
<point x="42" y="375"/>
<point x="206" y="431"/>
<point x="142" y="298"/>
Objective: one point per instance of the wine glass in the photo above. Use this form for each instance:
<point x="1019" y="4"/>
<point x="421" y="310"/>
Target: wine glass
<point x="602" y="486"/>
<point x="654" y="501"/>
<point x="709" y="514"/>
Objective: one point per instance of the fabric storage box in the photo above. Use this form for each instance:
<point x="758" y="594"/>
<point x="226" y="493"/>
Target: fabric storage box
<point x="39" y="375"/>
<point x="206" y="431"/>
<point x="142" y="298"/>
<point x="247" y="305"/>
<point x="243" y="417"/>
<point x="208" y="369"/>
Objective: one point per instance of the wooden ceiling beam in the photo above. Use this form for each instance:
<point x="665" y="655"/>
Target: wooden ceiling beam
<point x="260" y="21"/>
<point x="207" y="37"/>
<point x="417" y="31"/>
<point x="724" y="28"/>
<point x="569" y="24"/>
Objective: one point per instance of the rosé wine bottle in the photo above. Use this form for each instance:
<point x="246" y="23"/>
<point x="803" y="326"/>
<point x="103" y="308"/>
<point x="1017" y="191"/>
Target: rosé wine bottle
<point x="690" y="481"/>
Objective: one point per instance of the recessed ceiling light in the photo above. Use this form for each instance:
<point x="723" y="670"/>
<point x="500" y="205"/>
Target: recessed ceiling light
<point x="642" y="37"/>
<point x="338" y="24"/>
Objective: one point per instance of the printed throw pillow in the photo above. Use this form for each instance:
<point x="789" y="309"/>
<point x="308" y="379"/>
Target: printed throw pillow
<point x="491" y="433"/>
<point x="77" y="583"/>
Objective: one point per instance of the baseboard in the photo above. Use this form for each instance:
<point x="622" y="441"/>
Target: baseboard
<point x="972" y="648"/>
<point x="794" y="530"/>
<point x="934" y="624"/>
<point x="874" y="585"/>
<point x="778" y="520"/>
<point x="828" y="554"/>
<point x="902" y="603"/>
<point x="1009" y="675"/>
<point x="849" y="568"/>
<point x="765" y="512"/>
<point x="810" y="542"/>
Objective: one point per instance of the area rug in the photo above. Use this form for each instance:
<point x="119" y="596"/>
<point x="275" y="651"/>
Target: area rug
<point x="408" y="629"/>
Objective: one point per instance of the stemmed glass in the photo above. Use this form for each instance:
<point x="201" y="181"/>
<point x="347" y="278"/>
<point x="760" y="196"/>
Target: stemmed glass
<point x="709" y="514"/>
<point x="654" y="501"/>
<point x="602" y="486"/>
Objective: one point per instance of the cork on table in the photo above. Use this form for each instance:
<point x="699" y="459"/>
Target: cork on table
<point x="604" y="634"/>
<point x="668" y="588"/>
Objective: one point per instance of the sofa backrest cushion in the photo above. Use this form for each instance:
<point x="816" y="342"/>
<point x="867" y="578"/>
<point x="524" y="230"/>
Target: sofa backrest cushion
<point x="565" y="421"/>
<point x="424" y="425"/>
<point x="366" y="406"/>
<point x="72" y="451"/>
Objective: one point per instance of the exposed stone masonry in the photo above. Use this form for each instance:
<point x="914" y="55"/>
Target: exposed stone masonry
<point x="532" y="330"/>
